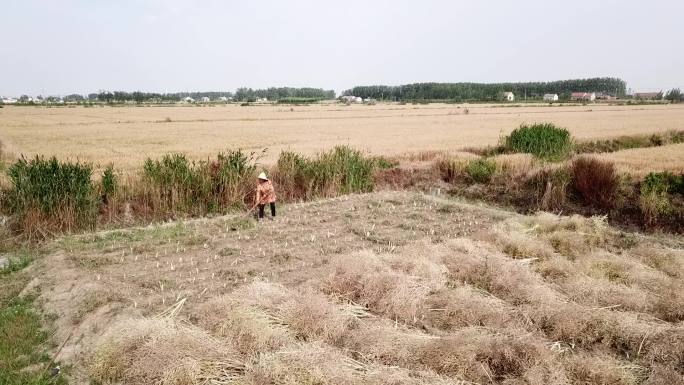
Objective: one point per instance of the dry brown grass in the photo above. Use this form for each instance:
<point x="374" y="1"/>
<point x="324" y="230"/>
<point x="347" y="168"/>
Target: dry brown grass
<point x="126" y="135"/>
<point x="382" y="288"/>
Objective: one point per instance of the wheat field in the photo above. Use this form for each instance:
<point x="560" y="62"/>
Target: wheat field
<point x="384" y="288"/>
<point x="125" y="136"/>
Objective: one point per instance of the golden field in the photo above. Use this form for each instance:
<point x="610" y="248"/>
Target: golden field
<point x="126" y="136"/>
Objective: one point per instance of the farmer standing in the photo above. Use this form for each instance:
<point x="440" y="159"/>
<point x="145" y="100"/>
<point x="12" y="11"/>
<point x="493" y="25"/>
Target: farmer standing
<point x="265" y="194"/>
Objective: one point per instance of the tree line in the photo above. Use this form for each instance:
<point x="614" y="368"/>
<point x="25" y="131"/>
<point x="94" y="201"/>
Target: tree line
<point x="242" y="94"/>
<point x="280" y="93"/>
<point x="489" y="91"/>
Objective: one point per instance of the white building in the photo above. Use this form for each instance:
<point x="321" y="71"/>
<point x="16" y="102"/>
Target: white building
<point x="351" y="99"/>
<point x="205" y="99"/>
<point x="583" y="96"/>
<point x="550" y="97"/>
<point x="223" y="99"/>
<point x="9" y="101"/>
<point x="508" y="96"/>
<point x="188" y="99"/>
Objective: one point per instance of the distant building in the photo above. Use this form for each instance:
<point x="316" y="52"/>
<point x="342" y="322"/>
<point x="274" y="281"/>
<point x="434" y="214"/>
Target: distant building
<point x="223" y="99"/>
<point x="550" y="97"/>
<point x="188" y="99"/>
<point x="351" y="99"/>
<point x="649" y="95"/>
<point x="9" y="101"/>
<point x="583" y="96"/>
<point x="205" y="99"/>
<point x="508" y="96"/>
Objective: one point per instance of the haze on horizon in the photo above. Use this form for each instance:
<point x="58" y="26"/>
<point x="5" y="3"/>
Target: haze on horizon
<point x="80" y="46"/>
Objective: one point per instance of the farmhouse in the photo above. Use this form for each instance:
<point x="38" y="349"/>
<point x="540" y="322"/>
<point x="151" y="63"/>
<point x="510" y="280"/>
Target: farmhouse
<point x="508" y="96"/>
<point x="583" y="96"/>
<point x="9" y="101"/>
<point x="649" y="95"/>
<point x="550" y="97"/>
<point x="351" y="99"/>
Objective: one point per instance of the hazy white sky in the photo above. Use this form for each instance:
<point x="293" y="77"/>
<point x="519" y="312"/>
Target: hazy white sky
<point x="81" y="46"/>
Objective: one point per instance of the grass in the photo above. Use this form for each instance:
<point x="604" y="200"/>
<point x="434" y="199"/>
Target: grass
<point x="342" y="170"/>
<point x="22" y="355"/>
<point x="24" y="342"/>
<point x="629" y="142"/>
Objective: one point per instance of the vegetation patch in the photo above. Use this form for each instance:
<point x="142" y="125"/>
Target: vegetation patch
<point x="659" y="194"/>
<point x="342" y="170"/>
<point x="543" y="140"/>
<point x="595" y="181"/>
<point x="51" y="196"/>
<point x="629" y="142"/>
<point x="481" y="170"/>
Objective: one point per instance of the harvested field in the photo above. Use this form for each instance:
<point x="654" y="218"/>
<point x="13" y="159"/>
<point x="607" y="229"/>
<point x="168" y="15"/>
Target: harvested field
<point x="641" y="161"/>
<point x="125" y="136"/>
<point x="381" y="288"/>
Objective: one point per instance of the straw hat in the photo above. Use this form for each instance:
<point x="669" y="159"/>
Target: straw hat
<point x="262" y="176"/>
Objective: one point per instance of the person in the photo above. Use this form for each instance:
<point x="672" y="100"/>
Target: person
<point x="265" y="194"/>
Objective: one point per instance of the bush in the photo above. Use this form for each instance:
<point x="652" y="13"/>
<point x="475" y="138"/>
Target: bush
<point x="551" y="188"/>
<point x="448" y="169"/>
<point x="543" y="140"/>
<point x="663" y="182"/>
<point x="48" y="195"/>
<point x="108" y="183"/>
<point x="596" y="182"/>
<point x="481" y="170"/>
<point x="655" y="199"/>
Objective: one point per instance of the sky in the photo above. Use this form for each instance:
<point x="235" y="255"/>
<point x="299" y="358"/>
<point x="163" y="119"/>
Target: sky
<point x="80" y="46"/>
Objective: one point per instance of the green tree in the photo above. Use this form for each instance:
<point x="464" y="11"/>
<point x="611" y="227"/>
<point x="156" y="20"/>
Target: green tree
<point x="674" y="95"/>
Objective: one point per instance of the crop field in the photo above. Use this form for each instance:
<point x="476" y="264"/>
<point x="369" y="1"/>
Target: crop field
<point x="380" y="288"/>
<point x="125" y="136"/>
<point x="441" y="253"/>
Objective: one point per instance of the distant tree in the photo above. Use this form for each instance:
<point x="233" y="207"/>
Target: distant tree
<point x="674" y="95"/>
<point x="105" y="96"/>
<point x="138" y="96"/>
<point x="24" y="99"/>
<point x="73" y="98"/>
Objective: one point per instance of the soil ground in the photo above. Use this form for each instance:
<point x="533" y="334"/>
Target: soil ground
<point x="388" y="287"/>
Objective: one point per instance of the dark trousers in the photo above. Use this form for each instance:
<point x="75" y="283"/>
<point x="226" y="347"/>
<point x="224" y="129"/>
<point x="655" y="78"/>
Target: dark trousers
<point x="261" y="210"/>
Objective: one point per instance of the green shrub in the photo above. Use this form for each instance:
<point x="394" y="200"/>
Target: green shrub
<point x="596" y="182"/>
<point x="544" y="140"/>
<point x="48" y="195"/>
<point x="628" y="142"/>
<point x="655" y="199"/>
<point x="481" y="170"/>
<point x="663" y="182"/>
<point x="109" y="182"/>
<point x="177" y="184"/>
<point x="342" y="170"/>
